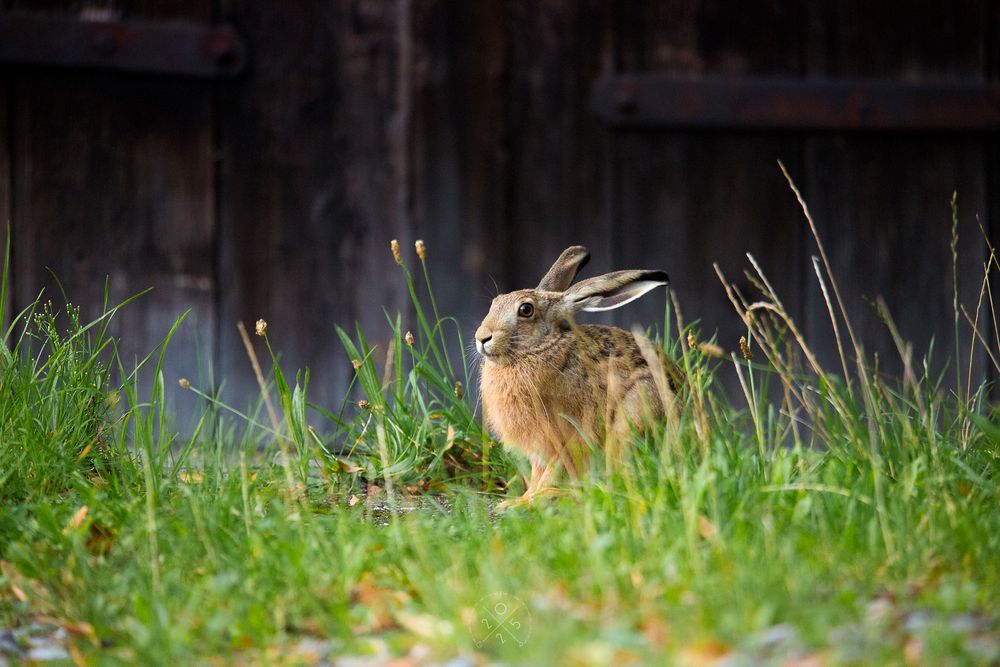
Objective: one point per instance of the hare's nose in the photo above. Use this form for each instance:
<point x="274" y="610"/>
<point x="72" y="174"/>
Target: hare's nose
<point x="482" y="342"/>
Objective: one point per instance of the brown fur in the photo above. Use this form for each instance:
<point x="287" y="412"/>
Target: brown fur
<point x="548" y="385"/>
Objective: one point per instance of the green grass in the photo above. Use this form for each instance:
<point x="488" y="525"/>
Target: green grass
<point x="834" y="516"/>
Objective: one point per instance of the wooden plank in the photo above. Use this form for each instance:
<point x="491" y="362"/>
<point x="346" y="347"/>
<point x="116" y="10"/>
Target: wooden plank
<point x="121" y="187"/>
<point x="687" y="203"/>
<point x="991" y="69"/>
<point x="558" y="150"/>
<point x="458" y="181"/>
<point x="5" y="188"/>
<point x="309" y="195"/>
<point x="685" y="200"/>
<point x="882" y="205"/>
<point x="508" y="164"/>
<point x="883" y="202"/>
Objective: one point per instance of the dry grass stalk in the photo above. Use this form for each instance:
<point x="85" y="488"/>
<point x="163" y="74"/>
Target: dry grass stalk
<point x="826" y="264"/>
<point x="668" y="399"/>
<point x="905" y="351"/>
<point x="771" y="293"/>
<point x="833" y="322"/>
<point x="677" y="311"/>
<point x="769" y="350"/>
<point x="390" y="358"/>
<point x="982" y="339"/>
<point x="271" y="413"/>
<point x="751" y="403"/>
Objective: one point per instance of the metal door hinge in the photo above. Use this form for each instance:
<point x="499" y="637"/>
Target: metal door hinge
<point x="174" y="48"/>
<point x="665" y="100"/>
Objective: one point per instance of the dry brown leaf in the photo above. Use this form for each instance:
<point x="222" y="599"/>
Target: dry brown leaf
<point x="76" y="520"/>
<point x="655" y="630"/>
<point x="702" y="654"/>
<point x="18" y="593"/>
<point x="100" y="540"/>
<point x="625" y="657"/>
<point x="707" y="528"/>
<point x="75" y="655"/>
<point x="425" y="625"/>
<point x="913" y="651"/>
<point x="810" y="660"/>
<point x="82" y="629"/>
<point x="10" y="572"/>
<point x="343" y="465"/>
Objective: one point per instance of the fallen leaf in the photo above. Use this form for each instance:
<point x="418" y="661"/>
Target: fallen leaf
<point x="82" y="629"/>
<point x="343" y="465"/>
<point x="655" y="630"/>
<point x="810" y="660"/>
<point x="100" y="540"/>
<point x="425" y="625"/>
<point x="307" y="651"/>
<point x="76" y="520"/>
<point x="707" y="528"/>
<point x="702" y="654"/>
<point x="913" y="651"/>
<point x="191" y="477"/>
<point x="625" y="657"/>
<point x="354" y="500"/>
<point x="75" y="655"/>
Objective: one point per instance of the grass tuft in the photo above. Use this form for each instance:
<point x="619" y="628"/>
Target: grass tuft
<point x="819" y="517"/>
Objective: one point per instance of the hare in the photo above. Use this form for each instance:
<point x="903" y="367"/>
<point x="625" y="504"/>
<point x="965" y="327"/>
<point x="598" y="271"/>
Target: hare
<point x="548" y="385"/>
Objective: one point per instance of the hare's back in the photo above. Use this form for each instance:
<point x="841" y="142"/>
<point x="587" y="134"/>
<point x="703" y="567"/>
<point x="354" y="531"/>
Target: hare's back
<point x="617" y="347"/>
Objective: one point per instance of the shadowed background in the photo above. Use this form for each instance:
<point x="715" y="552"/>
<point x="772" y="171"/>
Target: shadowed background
<point x="274" y="193"/>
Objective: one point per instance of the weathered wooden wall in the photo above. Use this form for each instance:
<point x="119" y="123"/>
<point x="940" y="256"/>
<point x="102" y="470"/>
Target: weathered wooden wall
<point x="468" y="124"/>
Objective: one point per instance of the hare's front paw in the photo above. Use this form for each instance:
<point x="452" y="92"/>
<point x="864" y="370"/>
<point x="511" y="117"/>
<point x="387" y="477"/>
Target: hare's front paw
<point x="527" y="498"/>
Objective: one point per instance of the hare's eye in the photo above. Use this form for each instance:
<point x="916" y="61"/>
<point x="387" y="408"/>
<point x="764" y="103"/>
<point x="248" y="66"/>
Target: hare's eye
<point x="525" y="310"/>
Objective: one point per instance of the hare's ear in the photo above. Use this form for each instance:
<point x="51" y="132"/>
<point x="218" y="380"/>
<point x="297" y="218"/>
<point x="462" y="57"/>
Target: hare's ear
<point x="612" y="290"/>
<point x="562" y="273"/>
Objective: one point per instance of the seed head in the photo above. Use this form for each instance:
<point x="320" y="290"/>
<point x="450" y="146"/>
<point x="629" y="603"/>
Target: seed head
<point x="356" y="363"/>
<point x="692" y="343"/>
<point x="459" y="390"/>
<point x="261" y="327"/>
<point x="396" y="255"/>
<point x="421" y="250"/>
<point x="745" y="348"/>
<point x="364" y="405"/>
<point x="183" y="382"/>
<point x="409" y="338"/>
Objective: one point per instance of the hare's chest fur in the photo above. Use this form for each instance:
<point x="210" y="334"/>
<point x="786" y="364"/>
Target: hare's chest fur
<point x="532" y="415"/>
<point x="539" y="405"/>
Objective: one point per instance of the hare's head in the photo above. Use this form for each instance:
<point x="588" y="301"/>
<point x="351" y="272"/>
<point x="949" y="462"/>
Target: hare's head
<point x="519" y="322"/>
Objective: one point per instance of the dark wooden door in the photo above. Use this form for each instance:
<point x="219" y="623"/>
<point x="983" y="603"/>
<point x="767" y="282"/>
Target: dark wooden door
<point x="470" y="125"/>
